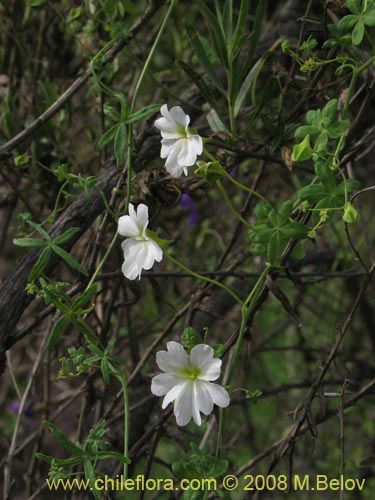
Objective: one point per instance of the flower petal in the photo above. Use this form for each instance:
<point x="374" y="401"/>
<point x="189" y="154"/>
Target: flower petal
<point x="175" y="392"/>
<point x="127" y="226"/>
<point x="174" y="360"/>
<point x="219" y="395"/>
<point x="201" y="354"/>
<point x="197" y="143"/>
<point x="180" y="118"/>
<point x="187" y="155"/>
<point x="211" y="370"/>
<point x="172" y="164"/>
<point x="204" y="400"/>
<point x="183" y="406"/>
<point x="163" y="383"/>
<point x="142" y="216"/>
<point x="130" y="270"/>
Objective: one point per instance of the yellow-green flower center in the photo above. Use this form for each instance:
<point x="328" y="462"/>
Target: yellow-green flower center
<point x="192" y="372"/>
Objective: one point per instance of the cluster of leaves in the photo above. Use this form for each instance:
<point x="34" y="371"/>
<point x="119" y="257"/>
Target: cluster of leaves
<point x="228" y="38"/>
<point x="200" y="465"/>
<point x="274" y="229"/>
<point x="80" y="359"/>
<point x="49" y="246"/>
<point x="362" y="15"/>
<point x="85" y="454"/>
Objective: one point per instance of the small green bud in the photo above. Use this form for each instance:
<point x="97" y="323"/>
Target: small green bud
<point x="350" y="214"/>
<point x="211" y="171"/>
<point x="191" y="338"/>
<point x="302" y="151"/>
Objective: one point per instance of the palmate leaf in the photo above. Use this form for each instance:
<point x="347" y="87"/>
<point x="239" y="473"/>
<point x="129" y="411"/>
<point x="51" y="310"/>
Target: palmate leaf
<point x="61" y="438"/>
<point x="69" y="259"/>
<point x="41" y="263"/>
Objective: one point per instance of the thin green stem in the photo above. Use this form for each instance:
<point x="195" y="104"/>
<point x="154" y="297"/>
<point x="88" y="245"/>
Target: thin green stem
<point x="220" y="432"/>
<point x="124" y="384"/>
<point x="247" y="307"/>
<point x="229" y="204"/>
<point x="245" y="188"/>
<point x="203" y="278"/>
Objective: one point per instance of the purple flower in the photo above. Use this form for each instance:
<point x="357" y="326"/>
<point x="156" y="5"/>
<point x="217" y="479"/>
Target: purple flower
<point x="187" y="203"/>
<point x="14" y="406"/>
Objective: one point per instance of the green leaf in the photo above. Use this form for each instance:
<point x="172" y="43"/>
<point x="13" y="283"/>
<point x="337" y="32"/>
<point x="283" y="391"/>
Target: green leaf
<point x="262" y="211"/>
<point x="274" y="249"/>
<point x="228" y="20"/>
<point x="285" y="210"/>
<point x="298" y="251"/>
<point x="256" y="32"/>
<point x="215" y="122"/>
<point x="305" y="130"/>
<point x="216" y="31"/>
<point x="143" y="113"/>
<point x="90" y="475"/>
<point x="358" y="32"/>
<point x="261" y="233"/>
<point x="190" y="338"/>
<point x="84" y="298"/>
<point x="85" y="330"/>
<point x="329" y="112"/>
<point x="350" y="185"/>
<point x="29" y="242"/>
<point x="40" y="264"/>
<point x="22" y="160"/>
<point x="63" y="238"/>
<point x="239" y="31"/>
<point x="354" y="6"/>
<point x="200" y="83"/>
<point x="36" y="3"/>
<point x="203" y="59"/>
<point x="102" y="455"/>
<point x="120" y="143"/>
<point x="61" y="438"/>
<point x="57" y="330"/>
<point x="104" y="368"/>
<point x="61" y="462"/>
<point x="337" y="129"/>
<point x="369" y="17"/>
<point x="325" y="175"/>
<point x="69" y="259"/>
<point x="245" y="87"/>
<point x="108" y="136"/>
<point x="313" y="193"/>
<point x="112" y="113"/>
<point x="347" y="23"/>
<point x="40" y="230"/>
<point x="302" y="151"/>
<point x="295" y="230"/>
<point x="219" y="350"/>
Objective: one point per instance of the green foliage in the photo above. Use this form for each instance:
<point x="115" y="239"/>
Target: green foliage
<point x="199" y="465"/>
<point x="362" y="15"/>
<point x="274" y="229"/>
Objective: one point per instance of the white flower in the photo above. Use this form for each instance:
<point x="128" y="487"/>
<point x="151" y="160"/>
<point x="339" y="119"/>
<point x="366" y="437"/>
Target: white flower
<point x="178" y="145"/>
<point x="140" y="251"/>
<point x="187" y="381"/>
